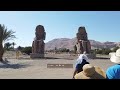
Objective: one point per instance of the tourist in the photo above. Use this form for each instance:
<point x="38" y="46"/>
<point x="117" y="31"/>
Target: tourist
<point x="113" y="72"/>
<point x="81" y="61"/>
<point x="17" y="54"/>
<point x="91" y="72"/>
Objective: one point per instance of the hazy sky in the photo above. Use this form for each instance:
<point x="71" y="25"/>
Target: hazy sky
<point x="100" y="25"/>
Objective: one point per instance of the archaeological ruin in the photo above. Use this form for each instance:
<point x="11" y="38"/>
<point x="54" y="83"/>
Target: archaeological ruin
<point x="38" y="44"/>
<point x="82" y="43"/>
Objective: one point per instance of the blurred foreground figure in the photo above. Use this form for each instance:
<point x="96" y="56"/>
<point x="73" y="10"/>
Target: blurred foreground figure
<point x="113" y="72"/>
<point x="81" y="61"/>
<point x="91" y="72"/>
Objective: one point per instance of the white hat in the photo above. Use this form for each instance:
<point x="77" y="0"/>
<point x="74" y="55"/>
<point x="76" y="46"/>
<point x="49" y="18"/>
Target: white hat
<point x="115" y="57"/>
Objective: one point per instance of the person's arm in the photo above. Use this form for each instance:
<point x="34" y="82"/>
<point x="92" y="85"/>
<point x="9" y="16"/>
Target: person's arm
<point x="76" y="70"/>
<point x="74" y="73"/>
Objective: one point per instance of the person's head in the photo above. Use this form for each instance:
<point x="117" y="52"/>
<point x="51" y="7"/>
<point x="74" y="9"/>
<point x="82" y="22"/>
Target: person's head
<point x="115" y="57"/>
<point x="83" y="56"/>
<point x="84" y="52"/>
<point x="91" y="72"/>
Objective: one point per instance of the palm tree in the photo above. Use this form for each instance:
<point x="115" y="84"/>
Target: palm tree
<point x="5" y="35"/>
<point x="19" y="48"/>
<point x="7" y="45"/>
<point x="13" y="43"/>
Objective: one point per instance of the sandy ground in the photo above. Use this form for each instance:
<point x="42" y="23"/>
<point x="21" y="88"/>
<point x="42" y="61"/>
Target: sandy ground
<point x="37" y="69"/>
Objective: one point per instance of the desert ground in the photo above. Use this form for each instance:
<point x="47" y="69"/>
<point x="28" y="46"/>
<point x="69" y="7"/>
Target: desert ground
<point x="26" y="68"/>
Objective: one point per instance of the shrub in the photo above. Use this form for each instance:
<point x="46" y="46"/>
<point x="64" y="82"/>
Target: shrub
<point x="27" y="50"/>
<point x="104" y="51"/>
<point x="114" y="49"/>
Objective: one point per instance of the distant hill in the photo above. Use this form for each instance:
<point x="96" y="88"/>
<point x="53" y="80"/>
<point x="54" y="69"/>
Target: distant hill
<point x="69" y="44"/>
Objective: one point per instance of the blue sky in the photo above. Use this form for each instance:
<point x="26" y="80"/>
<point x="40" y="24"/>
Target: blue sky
<point x="100" y="25"/>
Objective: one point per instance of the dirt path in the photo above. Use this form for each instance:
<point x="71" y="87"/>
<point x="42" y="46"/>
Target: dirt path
<point x="37" y="69"/>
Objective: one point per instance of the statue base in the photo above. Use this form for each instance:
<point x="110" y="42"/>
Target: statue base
<point x="91" y="56"/>
<point x="36" y="55"/>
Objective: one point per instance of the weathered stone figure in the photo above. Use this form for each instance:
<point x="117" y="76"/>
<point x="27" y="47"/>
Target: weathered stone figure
<point x="40" y="32"/>
<point x="83" y="44"/>
<point x="38" y="44"/>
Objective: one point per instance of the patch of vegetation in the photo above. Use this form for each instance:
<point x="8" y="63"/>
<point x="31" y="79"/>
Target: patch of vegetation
<point x="27" y="50"/>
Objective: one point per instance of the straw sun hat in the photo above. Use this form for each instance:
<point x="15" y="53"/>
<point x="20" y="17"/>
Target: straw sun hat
<point x="91" y="72"/>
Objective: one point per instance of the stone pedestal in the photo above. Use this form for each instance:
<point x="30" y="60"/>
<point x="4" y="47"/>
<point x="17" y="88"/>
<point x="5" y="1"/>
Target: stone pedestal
<point x="36" y="55"/>
<point x="91" y="56"/>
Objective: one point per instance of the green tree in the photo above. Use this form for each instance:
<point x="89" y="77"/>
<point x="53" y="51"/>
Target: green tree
<point x="27" y="50"/>
<point x="55" y="50"/>
<point x="98" y="51"/>
<point x="67" y="50"/>
<point x="20" y="48"/>
<point x="115" y="48"/>
<point x="5" y="35"/>
<point x="13" y="44"/>
<point x="106" y="51"/>
<point x="7" y="46"/>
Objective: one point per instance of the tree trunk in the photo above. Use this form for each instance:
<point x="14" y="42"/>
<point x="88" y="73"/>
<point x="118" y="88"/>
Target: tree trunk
<point x="1" y="52"/>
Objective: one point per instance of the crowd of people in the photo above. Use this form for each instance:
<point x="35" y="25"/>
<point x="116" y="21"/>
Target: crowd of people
<point x="85" y="70"/>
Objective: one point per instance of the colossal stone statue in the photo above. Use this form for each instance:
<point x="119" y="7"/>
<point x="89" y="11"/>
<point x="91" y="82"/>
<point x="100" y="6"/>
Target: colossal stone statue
<point x="38" y="44"/>
<point x="83" y="44"/>
<point x="40" y="33"/>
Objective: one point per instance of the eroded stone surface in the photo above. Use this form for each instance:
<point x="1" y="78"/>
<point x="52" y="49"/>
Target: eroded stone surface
<point x="83" y="44"/>
<point x="38" y="44"/>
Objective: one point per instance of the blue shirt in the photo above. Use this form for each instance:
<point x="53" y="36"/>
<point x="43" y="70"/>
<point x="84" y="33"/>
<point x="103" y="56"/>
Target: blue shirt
<point x="113" y="72"/>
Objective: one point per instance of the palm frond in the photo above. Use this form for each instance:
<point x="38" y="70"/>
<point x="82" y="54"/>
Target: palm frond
<point x="6" y="35"/>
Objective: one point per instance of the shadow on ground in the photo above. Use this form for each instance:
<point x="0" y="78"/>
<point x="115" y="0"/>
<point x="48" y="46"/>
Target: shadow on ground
<point x="45" y="58"/>
<point x="51" y="58"/>
<point x="102" y="58"/>
<point x="59" y="58"/>
<point x="14" y="66"/>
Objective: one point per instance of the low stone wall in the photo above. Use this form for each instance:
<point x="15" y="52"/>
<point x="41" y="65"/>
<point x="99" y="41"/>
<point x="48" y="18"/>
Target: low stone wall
<point x="91" y="56"/>
<point x="36" y="55"/>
